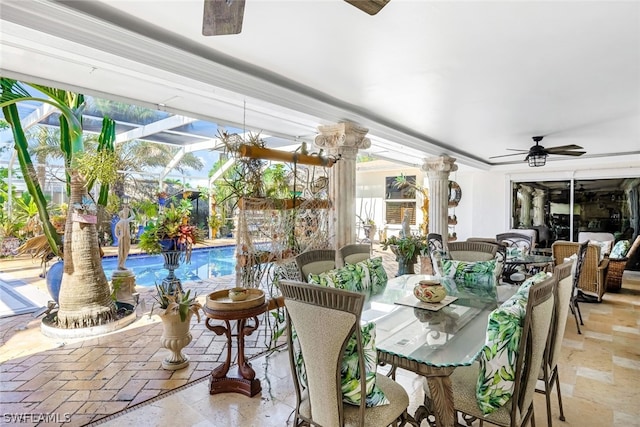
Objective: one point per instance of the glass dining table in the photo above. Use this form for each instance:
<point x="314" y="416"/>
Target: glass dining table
<point x="431" y="343"/>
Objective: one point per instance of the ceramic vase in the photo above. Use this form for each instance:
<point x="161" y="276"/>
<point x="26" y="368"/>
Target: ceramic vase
<point x="429" y="291"/>
<point x="176" y="335"/>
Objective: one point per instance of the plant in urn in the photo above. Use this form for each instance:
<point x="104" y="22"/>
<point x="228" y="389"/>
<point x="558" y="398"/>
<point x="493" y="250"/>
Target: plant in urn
<point x="430" y="290"/>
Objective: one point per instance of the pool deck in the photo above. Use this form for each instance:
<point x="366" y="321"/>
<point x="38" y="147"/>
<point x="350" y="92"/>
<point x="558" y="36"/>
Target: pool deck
<point x="93" y="378"/>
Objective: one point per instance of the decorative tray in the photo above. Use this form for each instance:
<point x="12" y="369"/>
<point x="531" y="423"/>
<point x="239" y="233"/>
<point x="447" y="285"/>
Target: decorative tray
<point x="219" y="300"/>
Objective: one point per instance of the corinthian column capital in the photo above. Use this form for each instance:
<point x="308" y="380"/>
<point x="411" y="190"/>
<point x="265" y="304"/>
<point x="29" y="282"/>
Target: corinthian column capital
<point x="443" y="164"/>
<point x="343" y="134"/>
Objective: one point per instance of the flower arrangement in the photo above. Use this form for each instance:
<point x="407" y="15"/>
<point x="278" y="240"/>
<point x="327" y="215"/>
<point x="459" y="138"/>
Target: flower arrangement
<point x="171" y="231"/>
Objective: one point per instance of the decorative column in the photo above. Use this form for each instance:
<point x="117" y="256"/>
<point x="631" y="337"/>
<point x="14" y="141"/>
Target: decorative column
<point x="342" y="140"/>
<point x="525" y="210"/>
<point x="438" y="169"/>
<point x="538" y="206"/>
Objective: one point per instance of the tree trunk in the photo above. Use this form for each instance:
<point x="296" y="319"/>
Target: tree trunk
<point x="85" y="299"/>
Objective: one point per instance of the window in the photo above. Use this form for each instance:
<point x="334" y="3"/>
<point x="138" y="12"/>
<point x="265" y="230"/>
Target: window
<point x="399" y="200"/>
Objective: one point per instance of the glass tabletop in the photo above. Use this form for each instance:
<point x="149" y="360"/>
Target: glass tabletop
<point x="530" y="259"/>
<point x="451" y="336"/>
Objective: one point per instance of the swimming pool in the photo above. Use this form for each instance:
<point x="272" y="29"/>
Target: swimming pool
<point x="205" y="263"/>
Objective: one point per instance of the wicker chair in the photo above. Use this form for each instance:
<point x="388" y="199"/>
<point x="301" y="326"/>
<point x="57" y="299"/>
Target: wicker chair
<point x="594" y="271"/>
<point x="354" y="253"/>
<point x="549" y="372"/>
<point x="315" y="262"/>
<point x="321" y="402"/>
<point x="472" y="251"/>
<point x="616" y="268"/>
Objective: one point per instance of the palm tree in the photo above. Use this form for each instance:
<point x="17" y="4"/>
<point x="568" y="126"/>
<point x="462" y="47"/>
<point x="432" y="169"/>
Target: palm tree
<point x="84" y="298"/>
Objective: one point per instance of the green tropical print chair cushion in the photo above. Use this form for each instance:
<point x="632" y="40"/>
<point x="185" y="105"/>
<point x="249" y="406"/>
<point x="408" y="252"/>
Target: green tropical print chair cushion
<point x="497" y="359"/>
<point x="470" y="272"/>
<point x="620" y="249"/>
<point x="368" y="276"/>
<point x="377" y="274"/>
<point x="350" y="374"/>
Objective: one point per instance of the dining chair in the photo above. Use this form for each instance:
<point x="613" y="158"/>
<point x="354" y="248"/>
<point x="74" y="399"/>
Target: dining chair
<point x="518" y="410"/>
<point x="322" y="346"/>
<point x="354" y="253"/>
<point x="519" y="241"/>
<point x="549" y="372"/>
<point x="573" y="303"/>
<point x="315" y="262"/>
<point x="472" y="251"/>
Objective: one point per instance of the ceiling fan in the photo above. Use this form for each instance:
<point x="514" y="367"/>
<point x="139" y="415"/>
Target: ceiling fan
<point x="537" y="154"/>
<point x="223" y="17"/>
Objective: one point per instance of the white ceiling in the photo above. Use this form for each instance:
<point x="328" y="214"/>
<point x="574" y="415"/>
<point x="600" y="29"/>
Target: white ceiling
<point x="466" y="78"/>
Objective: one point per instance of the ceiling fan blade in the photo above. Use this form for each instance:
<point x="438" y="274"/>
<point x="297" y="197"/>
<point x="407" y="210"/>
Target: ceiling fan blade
<point x="563" y="148"/>
<point x="222" y="17"/>
<point x="569" y="153"/>
<point x="507" y="155"/>
<point x="369" y="6"/>
<point x="517" y="149"/>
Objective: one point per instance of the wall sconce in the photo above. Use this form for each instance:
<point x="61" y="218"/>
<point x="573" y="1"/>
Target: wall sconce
<point x="537" y="160"/>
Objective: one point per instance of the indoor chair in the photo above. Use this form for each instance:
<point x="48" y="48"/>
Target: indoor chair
<point x="594" y="270"/>
<point x="354" y="253"/>
<point x="616" y="267"/>
<point x="472" y="251"/>
<point x="520" y="241"/>
<point x="315" y="261"/>
<point x="322" y="346"/>
<point x="519" y="408"/>
<point x="549" y="372"/>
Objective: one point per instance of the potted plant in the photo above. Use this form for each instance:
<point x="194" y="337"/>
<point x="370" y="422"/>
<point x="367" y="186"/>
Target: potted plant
<point x="171" y="231"/>
<point x="173" y="237"/>
<point x="177" y="308"/>
<point x="406" y="249"/>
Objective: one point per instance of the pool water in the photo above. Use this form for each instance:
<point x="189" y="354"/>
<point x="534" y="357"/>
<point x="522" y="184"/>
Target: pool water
<point x="205" y="263"/>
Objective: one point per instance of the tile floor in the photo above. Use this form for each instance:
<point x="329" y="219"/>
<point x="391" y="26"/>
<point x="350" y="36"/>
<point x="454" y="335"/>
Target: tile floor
<point x="117" y="378"/>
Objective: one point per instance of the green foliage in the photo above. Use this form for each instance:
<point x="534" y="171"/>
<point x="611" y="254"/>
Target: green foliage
<point x="408" y="247"/>
<point x="99" y="166"/>
<point x="172" y="223"/>
<point x="174" y="301"/>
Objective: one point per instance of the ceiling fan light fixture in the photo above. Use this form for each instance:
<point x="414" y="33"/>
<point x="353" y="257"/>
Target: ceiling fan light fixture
<point x="537" y="160"/>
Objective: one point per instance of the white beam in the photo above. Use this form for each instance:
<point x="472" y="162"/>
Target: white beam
<point x="155" y="127"/>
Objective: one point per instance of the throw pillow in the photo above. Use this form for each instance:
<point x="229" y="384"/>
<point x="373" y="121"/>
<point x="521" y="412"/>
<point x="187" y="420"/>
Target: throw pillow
<point x="497" y="360"/>
<point x="620" y="249"/>
<point x="347" y="278"/>
<point x="605" y="247"/>
<point x="368" y="276"/>
<point x="377" y="274"/>
<point x="478" y="278"/>
<point x="349" y="370"/>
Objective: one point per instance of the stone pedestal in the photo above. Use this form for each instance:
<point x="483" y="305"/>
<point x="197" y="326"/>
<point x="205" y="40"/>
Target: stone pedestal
<point x="538" y="206"/>
<point x="342" y="140"/>
<point x="124" y="284"/>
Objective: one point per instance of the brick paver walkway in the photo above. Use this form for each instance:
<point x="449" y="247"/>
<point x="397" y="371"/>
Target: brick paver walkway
<point x="90" y="379"/>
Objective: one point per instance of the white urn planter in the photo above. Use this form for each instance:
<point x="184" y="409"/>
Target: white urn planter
<point x="176" y="335"/>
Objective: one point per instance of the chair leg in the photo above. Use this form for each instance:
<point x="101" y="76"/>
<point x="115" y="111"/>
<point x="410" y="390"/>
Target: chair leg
<point x="573" y="306"/>
<point x="547" y="395"/>
<point x="579" y="313"/>
<point x="559" y="394"/>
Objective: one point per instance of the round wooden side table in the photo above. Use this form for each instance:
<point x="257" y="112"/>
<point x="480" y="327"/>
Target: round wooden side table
<point x="245" y="382"/>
